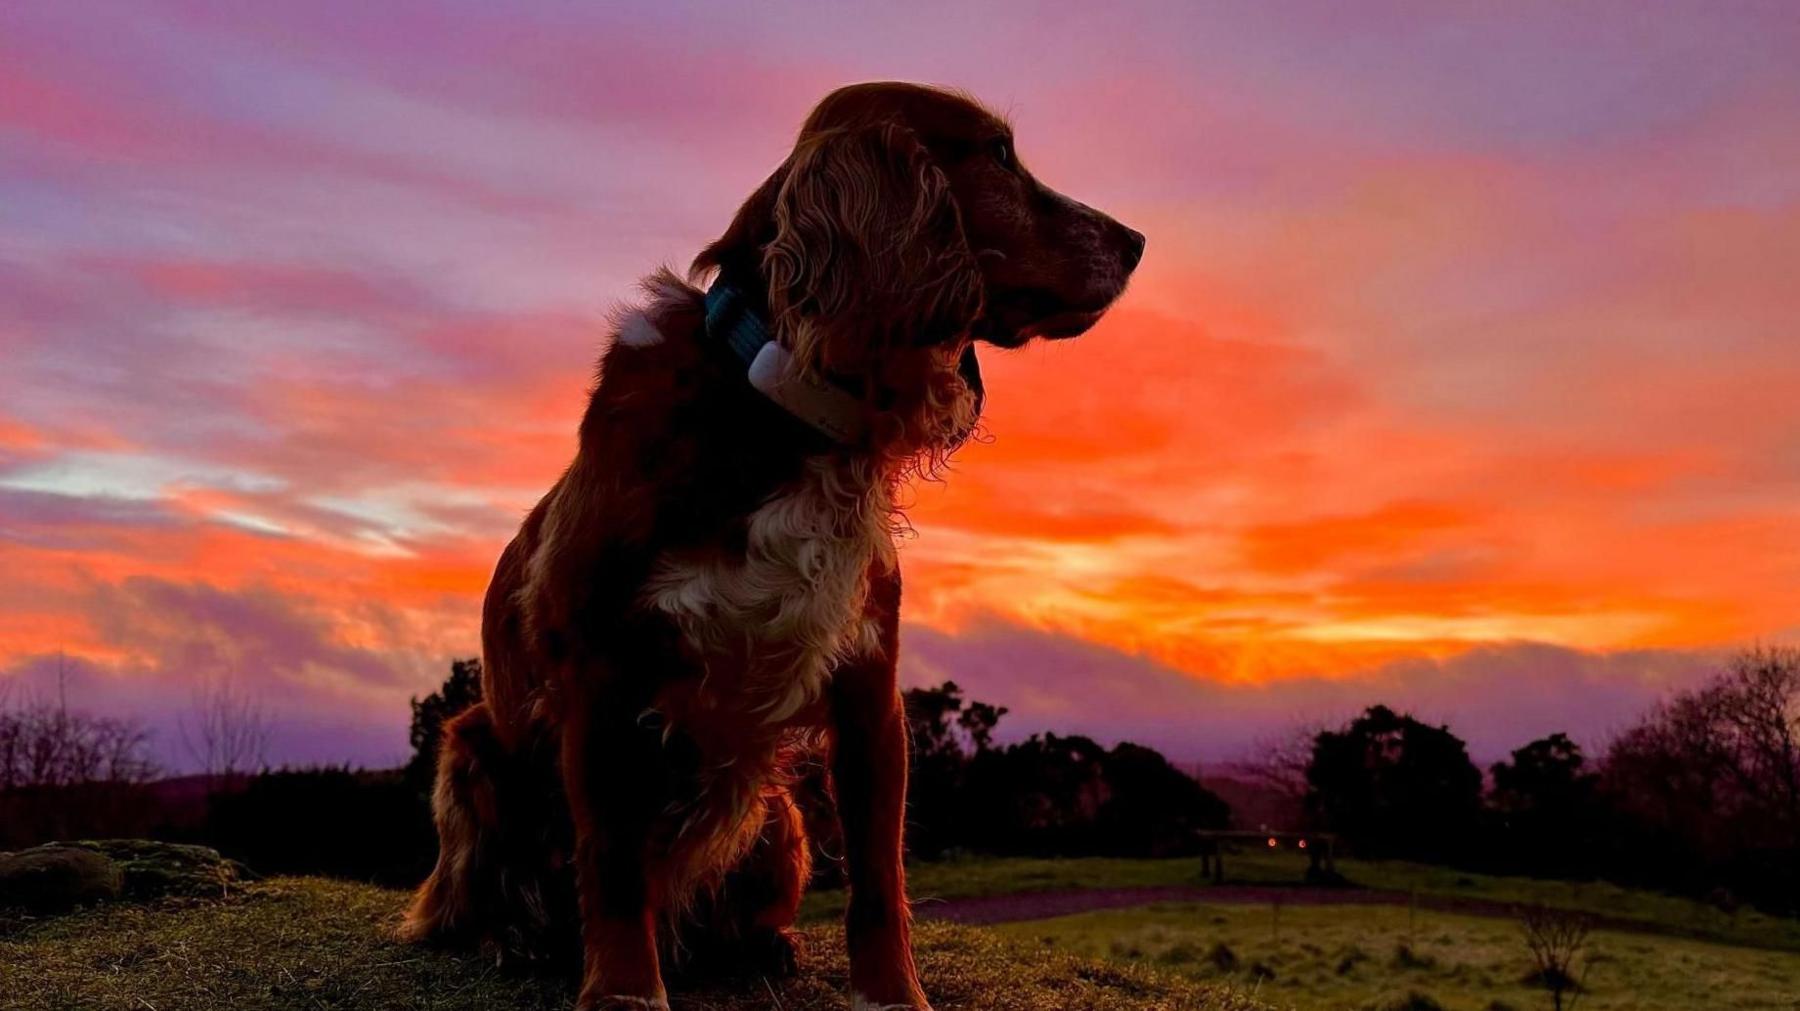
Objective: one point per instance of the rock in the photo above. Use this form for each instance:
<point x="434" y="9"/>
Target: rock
<point x="155" y="870"/>
<point x="52" y="879"/>
<point x="59" y="876"/>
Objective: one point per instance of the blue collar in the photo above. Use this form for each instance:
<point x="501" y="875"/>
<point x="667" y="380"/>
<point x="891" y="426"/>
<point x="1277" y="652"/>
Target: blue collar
<point x="828" y="407"/>
<point x="729" y="318"/>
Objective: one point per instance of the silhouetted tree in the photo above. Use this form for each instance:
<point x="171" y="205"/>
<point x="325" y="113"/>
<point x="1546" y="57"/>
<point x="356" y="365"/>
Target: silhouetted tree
<point x="225" y="733"/>
<point x="47" y="745"/>
<point x="66" y="774"/>
<point x="1041" y="795"/>
<point x="944" y="725"/>
<point x="1710" y="782"/>
<point x="1395" y="787"/>
<point x="1545" y="775"/>
<point x="1048" y="794"/>
<point x="459" y="691"/>
<point x="1756" y="709"/>
<point x="978" y="720"/>
<point x="1545" y="803"/>
<point x="940" y="759"/>
<point x="1154" y="808"/>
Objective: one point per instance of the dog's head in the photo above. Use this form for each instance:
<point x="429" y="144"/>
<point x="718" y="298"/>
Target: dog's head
<point x="903" y="225"/>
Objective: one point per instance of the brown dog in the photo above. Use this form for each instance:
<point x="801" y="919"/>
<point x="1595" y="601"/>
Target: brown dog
<point x="712" y="583"/>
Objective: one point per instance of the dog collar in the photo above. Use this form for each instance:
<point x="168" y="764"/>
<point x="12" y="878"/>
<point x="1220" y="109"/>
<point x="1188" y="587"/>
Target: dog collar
<point x="833" y="410"/>
<point x="772" y="370"/>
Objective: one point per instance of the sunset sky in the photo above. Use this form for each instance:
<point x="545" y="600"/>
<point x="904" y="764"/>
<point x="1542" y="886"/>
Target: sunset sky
<point x="1461" y="371"/>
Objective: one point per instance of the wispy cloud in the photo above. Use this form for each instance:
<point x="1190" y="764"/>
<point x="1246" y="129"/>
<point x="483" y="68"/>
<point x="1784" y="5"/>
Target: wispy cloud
<point x="1455" y="333"/>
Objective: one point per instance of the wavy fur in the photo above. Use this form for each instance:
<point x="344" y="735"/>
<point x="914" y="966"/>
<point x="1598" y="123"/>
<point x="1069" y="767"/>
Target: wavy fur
<point x="709" y="592"/>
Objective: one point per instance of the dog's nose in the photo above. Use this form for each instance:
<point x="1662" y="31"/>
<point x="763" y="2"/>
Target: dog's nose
<point x="1134" y="248"/>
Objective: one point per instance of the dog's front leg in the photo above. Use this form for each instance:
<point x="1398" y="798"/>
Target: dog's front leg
<point x="606" y="769"/>
<point x="869" y="756"/>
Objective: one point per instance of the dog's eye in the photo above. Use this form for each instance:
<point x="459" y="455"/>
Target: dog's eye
<point x="1002" y="150"/>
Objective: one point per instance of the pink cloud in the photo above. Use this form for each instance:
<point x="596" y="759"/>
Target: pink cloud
<point x="1451" y="336"/>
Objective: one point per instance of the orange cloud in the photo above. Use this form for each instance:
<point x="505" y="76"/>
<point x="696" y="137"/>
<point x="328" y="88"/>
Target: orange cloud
<point x="1411" y="372"/>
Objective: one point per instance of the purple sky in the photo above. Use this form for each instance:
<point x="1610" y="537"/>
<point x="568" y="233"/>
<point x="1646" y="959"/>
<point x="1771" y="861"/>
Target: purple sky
<point x="1459" y="374"/>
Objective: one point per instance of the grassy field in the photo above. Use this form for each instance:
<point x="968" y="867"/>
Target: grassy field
<point x="315" y="944"/>
<point x="1330" y="957"/>
<point x="1664" y="913"/>
<point x="308" y="943"/>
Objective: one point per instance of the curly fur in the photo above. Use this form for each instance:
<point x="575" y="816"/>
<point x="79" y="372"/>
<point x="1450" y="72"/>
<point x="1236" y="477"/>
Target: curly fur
<point x="708" y="591"/>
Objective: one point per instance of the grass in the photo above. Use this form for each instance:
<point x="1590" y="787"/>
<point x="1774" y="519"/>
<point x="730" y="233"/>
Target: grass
<point x="1663" y="913"/>
<point x="308" y="943"/>
<point x="1653" y="909"/>
<point x="318" y="944"/>
<point x="1332" y="957"/>
<point x="978" y="876"/>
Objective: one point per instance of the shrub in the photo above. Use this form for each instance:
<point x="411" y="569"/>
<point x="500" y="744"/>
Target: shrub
<point x="1556" y="937"/>
<point x="366" y="826"/>
<point x="1222" y="957"/>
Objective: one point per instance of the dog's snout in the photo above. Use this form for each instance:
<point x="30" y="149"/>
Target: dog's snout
<point x="1134" y="247"/>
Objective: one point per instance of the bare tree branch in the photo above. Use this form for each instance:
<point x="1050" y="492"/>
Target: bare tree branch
<point x="1555" y="937"/>
<point x="226" y="731"/>
<point x="48" y="745"/>
<point x="1280" y="760"/>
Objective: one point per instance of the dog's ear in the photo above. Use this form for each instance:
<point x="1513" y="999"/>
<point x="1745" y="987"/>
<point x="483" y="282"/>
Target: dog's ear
<point x="867" y="252"/>
<point x="739" y="250"/>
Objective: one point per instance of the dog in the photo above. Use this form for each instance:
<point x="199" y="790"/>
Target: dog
<point x="712" y="586"/>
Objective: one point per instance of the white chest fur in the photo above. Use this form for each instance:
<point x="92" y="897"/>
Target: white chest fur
<point x="789" y="607"/>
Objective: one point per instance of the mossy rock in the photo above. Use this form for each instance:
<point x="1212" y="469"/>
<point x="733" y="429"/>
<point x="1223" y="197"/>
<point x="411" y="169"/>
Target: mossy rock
<point x="55" y="879"/>
<point x="58" y="877"/>
<point x="155" y="870"/>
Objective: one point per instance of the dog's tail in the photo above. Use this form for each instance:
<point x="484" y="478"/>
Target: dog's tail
<point x="499" y="851"/>
<point x="465" y="806"/>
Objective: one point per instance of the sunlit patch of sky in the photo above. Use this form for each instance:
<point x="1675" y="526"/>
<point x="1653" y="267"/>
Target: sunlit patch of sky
<point x="1457" y="328"/>
<point x="138" y="476"/>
